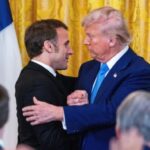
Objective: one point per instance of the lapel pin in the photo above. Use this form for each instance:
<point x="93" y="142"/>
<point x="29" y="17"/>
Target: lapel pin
<point x="115" y="75"/>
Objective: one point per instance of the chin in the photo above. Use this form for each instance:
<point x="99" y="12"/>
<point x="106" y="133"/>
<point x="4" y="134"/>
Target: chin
<point x="63" y="68"/>
<point x="93" y="57"/>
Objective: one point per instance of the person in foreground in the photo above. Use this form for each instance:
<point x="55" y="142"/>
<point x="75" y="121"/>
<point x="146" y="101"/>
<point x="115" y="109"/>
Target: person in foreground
<point x="133" y="123"/>
<point x="48" y="47"/>
<point x="4" y="112"/>
<point x="114" y="72"/>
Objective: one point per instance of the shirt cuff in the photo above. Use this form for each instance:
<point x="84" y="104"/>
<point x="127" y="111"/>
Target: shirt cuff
<point x="64" y="123"/>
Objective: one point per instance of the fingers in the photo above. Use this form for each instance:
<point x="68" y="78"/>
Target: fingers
<point x="36" y="122"/>
<point x="36" y="101"/>
<point x="33" y="108"/>
<point x="29" y="113"/>
<point x="32" y="117"/>
<point x="33" y="120"/>
<point x="71" y="102"/>
<point x="78" y="97"/>
<point x="77" y="102"/>
<point x="28" y="108"/>
<point x="38" y="113"/>
<point x="78" y="94"/>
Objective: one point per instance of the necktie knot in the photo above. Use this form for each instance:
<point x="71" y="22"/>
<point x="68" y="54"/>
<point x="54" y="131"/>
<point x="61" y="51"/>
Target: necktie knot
<point x="104" y="68"/>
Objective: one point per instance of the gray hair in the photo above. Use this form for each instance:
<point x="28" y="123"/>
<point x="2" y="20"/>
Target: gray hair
<point x="135" y="112"/>
<point x="111" y="21"/>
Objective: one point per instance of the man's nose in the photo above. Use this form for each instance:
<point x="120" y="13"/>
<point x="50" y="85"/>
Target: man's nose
<point x="70" y="51"/>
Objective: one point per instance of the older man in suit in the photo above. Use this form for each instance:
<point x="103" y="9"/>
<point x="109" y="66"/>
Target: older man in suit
<point x="48" y="47"/>
<point x="115" y="72"/>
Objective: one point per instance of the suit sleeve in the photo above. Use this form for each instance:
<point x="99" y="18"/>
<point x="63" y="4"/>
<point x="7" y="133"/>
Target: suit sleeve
<point x="49" y="135"/>
<point x="81" y="118"/>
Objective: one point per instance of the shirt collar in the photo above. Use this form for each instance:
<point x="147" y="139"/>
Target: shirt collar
<point x="113" y="60"/>
<point x="49" y="68"/>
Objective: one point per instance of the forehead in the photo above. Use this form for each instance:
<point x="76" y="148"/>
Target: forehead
<point x="62" y="33"/>
<point x="92" y="28"/>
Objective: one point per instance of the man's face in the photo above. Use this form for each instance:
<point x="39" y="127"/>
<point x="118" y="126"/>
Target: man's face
<point x="63" y="50"/>
<point x="97" y="42"/>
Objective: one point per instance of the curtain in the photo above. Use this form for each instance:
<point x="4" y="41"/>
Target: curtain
<point x="71" y="12"/>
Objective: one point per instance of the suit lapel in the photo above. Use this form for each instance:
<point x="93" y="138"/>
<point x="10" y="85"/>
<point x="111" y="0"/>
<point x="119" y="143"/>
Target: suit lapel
<point x="91" y="75"/>
<point x="41" y="69"/>
<point x="115" y="74"/>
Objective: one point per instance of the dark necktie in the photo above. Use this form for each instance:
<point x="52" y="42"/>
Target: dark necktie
<point x="100" y="77"/>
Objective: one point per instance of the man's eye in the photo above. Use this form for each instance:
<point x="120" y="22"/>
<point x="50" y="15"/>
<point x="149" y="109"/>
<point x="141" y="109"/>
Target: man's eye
<point x="90" y="37"/>
<point x="67" y="45"/>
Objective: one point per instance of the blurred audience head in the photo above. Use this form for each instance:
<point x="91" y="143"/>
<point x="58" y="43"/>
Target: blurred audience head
<point x="134" y="112"/>
<point x="4" y="106"/>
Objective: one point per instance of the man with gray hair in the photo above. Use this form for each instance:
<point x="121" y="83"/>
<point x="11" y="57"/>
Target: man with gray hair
<point x="134" y="112"/>
<point x="115" y="72"/>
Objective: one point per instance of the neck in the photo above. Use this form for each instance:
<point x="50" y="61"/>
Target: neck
<point x="42" y="60"/>
<point x="114" y="51"/>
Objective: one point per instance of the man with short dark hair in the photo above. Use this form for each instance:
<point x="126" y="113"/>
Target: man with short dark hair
<point x="48" y="47"/>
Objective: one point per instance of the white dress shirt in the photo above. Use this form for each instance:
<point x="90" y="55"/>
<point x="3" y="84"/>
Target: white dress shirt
<point x="49" y="68"/>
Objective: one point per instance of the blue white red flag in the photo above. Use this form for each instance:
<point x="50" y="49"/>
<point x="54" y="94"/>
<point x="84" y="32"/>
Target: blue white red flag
<point x="10" y="66"/>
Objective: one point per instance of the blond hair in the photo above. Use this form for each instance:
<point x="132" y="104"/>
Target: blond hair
<point x="111" y="21"/>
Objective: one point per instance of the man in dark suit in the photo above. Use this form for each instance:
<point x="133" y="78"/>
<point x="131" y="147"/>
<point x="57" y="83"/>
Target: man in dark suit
<point x="4" y="112"/>
<point x="47" y="45"/>
<point x="115" y="72"/>
<point x="133" y="123"/>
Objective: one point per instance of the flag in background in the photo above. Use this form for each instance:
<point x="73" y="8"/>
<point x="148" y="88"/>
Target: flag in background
<point x="10" y="66"/>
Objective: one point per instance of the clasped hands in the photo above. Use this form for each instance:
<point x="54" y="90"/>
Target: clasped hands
<point x="42" y="112"/>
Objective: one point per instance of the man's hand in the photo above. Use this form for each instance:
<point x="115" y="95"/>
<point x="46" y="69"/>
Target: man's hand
<point x="78" y="97"/>
<point x="42" y="112"/>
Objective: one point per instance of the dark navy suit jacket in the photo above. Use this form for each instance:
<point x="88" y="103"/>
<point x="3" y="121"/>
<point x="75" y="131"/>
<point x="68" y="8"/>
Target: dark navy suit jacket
<point x="97" y="121"/>
<point x="146" y="148"/>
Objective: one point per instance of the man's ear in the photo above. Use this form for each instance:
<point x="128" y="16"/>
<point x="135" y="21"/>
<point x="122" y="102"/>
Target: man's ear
<point x="48" y="46"/>
<point x="112" y="41"/>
